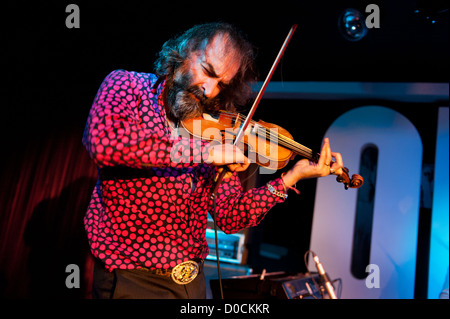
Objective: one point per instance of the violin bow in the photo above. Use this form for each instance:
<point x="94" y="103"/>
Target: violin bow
<point x="241" y="131"/>
<point x="238" y="138"/>
<point x="244" y="126"/>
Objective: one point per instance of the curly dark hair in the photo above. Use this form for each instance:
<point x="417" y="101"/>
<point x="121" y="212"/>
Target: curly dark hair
<point x="176" y="50"/>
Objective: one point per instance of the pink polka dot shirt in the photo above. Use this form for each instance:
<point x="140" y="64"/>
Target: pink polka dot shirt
<point x="149" y="207"/>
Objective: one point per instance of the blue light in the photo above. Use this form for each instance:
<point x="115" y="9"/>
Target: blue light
<point x="439" y="254"/>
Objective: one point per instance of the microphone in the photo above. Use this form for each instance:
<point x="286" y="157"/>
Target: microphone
<point x="324" y="276"/>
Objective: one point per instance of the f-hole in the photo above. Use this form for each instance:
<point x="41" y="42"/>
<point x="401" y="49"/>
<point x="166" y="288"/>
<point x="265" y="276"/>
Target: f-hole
<point x="362" y="233"/>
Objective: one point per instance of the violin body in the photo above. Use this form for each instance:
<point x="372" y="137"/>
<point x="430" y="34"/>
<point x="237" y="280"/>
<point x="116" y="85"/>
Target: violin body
<point x="256" y="144"/>
<point x="266" y="144"/>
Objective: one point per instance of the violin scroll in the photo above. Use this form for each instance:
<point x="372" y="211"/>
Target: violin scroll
<point x="355" y="182"/>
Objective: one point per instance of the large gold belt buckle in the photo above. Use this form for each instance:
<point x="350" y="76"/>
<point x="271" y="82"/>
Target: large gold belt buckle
<point x="185" y="272"/>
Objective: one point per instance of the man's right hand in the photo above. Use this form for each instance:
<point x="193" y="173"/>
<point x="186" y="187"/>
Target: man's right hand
<point x="230" y="155"/>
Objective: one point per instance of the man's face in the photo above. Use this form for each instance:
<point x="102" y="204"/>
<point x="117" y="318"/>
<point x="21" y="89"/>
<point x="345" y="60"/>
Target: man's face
<point x="201" y="78"/>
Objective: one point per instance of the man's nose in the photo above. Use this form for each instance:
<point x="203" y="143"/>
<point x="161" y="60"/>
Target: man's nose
<point x="210" y="88"/>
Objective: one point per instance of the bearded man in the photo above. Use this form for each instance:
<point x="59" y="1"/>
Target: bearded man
<point x="147" y="218"/>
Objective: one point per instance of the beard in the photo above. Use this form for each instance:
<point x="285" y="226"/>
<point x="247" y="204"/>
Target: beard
<point x="184" y="100"/>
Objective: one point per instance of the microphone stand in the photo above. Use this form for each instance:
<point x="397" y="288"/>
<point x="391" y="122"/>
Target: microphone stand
<point x="328" y="286"/>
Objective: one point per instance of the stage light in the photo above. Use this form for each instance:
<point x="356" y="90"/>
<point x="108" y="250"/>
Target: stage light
<point x="352" y="25"/>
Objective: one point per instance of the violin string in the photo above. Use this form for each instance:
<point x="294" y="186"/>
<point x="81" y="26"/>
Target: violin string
<point x="292" y="145"/>
<point x="275" y="137"/>
<point x="279" y="138"/>
<point x="282" y="140"/>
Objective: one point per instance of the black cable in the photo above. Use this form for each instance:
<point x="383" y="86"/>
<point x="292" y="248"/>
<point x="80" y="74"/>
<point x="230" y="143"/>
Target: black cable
<point x="214" y="194"/>
<point x="217" y="245"/>
<point x="339" y="291"/>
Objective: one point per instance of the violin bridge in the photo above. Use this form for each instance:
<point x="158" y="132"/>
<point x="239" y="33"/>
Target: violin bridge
<point x="255" y="128"/>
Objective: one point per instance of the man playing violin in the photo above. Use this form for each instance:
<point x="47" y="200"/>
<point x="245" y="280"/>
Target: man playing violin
<point x="146" y="221"/>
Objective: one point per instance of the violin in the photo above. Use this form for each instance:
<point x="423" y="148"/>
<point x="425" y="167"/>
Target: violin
<point x="265" y="144"/>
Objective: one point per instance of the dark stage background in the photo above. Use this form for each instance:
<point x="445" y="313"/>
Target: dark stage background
<point x="53" y="73"/>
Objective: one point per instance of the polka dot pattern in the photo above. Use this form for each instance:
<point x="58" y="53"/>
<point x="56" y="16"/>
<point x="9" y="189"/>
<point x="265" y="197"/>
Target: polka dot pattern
<point x="149" y="207"/>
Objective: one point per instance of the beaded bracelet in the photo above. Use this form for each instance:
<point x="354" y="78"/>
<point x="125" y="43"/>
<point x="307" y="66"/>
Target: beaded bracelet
<point x="275" y="192"/>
